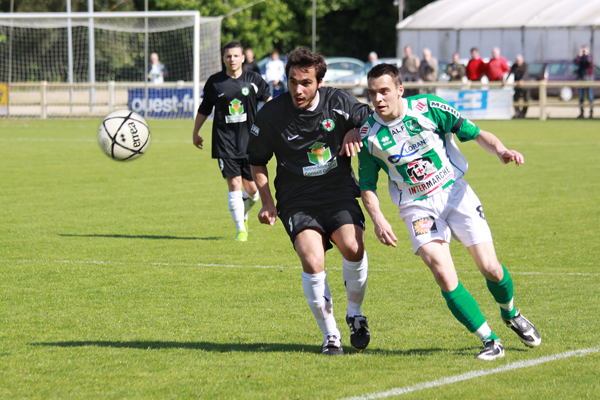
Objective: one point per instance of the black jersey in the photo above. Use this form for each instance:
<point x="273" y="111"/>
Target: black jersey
<point x="235" y="102"/>
<point x="307" y="144"/>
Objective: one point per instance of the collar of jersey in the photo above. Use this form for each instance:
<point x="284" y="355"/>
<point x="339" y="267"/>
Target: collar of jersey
<point x="396" y="121"/>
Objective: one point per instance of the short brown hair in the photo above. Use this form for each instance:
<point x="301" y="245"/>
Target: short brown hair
<point x="231" y="45"/>
<point x="386" y="69"/>
<point x="303" y="59"/>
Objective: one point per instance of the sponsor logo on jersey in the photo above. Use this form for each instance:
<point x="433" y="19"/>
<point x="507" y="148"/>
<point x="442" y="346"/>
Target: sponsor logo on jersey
<point x="364" y="131"/>
<point x="236" y="111"/>
<point x="245" y="91"/>
<point x="328" y="125"/>
<point x="413" y="126"/>
<point x="420" y="169"/>
<point x="397" y="130"/>
<point x="320" y="155"/>
<point x="255" y="130"/>
<point x="409" y="149"/>
<point x="419" y="105"/>
<point x="424" y="225"/>
<point x="385" y="140"/>
<point x="446" y="108"/>
<point x="254" y="87"/>
<point x="437" y="180"/>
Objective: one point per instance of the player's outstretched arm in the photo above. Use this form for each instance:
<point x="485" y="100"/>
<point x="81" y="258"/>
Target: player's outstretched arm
<point x="490" y="143"/>
<point x="197" y="139"/>
<point x="351" y="141"/>
<point x="383" y="229"/>
<point x="268" y="212"/>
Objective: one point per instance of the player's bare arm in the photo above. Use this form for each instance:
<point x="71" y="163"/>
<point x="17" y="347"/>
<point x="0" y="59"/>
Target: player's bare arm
<point x="351" y="141"/>
<point x="197" y="139"/>
<point x="268" y="212"/>
<point x="383" y="229"/>
<point x="490" y="143"/>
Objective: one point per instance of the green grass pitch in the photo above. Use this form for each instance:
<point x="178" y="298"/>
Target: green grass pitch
<point x="122" y="280"/>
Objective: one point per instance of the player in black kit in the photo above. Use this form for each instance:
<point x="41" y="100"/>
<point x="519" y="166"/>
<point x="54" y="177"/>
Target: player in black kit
<point x="315" y="188"/>
<point x="234" y="93"/>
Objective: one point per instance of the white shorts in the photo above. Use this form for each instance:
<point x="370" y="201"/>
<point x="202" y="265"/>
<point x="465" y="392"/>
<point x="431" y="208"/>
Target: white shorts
<point x="456" y="211"/>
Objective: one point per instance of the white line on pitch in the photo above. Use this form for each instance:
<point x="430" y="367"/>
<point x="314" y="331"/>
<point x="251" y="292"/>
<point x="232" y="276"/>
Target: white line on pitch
<point x="475" y="374"/>
<point x="276" y="267"/>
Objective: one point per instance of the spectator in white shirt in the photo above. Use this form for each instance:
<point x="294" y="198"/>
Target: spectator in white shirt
<point x="275" y="72"/>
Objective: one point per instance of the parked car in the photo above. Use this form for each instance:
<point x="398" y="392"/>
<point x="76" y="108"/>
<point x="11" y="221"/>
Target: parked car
<point x="558" y="70"/>
<point x="360" y="78"/>
<point x="338" y="67"/>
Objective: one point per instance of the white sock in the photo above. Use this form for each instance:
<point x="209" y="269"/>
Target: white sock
<point x="249" y="202"/>
<point x="355" y="275"/>
<point x="483" y="332"/>
<point x="236" y="208"/>
<point x="320" y="302"/>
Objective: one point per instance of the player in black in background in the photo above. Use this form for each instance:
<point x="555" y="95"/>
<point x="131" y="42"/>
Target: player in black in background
<point x="315" y="187"/>
<point x="234" y="93"/>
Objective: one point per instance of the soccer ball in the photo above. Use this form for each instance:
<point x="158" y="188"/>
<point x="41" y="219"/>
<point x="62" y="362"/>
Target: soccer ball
<point x="124" y="135"/>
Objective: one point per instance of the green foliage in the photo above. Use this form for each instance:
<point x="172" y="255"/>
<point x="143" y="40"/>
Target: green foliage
<point x="61" y="5"/>
<point x="122" y="280"/>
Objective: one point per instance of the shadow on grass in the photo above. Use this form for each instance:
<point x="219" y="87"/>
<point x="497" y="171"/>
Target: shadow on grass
<point x="144" y="237"/>
<point x="253" y="347"/>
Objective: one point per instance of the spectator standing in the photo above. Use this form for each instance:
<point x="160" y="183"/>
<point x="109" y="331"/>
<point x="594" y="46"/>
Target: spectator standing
<point x="410" y="69"/>
<point x="158" y="71"/>
<point x="275" y="72"/>
<point x="520" y="70"/>
<point x="428" y="70"/>
<point x="455" y="70"/>
<point x="475" y="67"/>
<point x="250" y="63"/>
<point x="585" y="71"/>
<point x="372" y="61"/>
<point x="497" y="68"/>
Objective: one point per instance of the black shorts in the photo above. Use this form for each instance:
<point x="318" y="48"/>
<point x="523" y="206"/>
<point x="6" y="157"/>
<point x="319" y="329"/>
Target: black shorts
<point x="232" y="167"/>
<point x="326" y="219"/>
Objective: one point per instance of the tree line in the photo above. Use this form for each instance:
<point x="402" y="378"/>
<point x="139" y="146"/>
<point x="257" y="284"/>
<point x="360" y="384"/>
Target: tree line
<point x="351" y="28"/>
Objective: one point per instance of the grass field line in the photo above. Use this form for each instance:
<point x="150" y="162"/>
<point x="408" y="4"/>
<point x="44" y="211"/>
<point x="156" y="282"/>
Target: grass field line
<point x="476" y="374"/>
<point x="270" y="267"/>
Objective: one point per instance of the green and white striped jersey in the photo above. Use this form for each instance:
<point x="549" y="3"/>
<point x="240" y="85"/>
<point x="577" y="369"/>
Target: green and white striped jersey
<point x="416" y="150"/>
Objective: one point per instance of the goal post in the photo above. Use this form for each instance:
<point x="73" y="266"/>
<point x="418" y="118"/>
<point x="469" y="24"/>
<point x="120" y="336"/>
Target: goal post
<point x="45" y="61"/>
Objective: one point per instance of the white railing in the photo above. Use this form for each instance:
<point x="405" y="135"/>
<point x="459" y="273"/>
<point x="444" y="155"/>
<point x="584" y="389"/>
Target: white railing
<point x="543" y="102"/>
<point x="63" y="100"/>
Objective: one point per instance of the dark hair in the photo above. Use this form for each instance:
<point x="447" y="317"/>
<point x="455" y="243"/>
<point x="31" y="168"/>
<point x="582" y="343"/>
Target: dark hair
<point x="386" y="69"/>
<point x="232" y="45"/>
<point x="474" y="49"/>
<point x="303" y="59"/>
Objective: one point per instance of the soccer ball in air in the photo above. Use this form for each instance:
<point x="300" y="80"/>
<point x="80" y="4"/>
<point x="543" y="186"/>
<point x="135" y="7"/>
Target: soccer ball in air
<point x="124" y="135"/>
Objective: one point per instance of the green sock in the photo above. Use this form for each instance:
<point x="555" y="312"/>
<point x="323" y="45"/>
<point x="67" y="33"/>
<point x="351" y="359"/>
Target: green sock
<point x="465" y="308"/>
<point x="503" y="294"/>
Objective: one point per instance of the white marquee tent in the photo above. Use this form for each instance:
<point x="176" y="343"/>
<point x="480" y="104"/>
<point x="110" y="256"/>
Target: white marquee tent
<point x="538" y="29"/>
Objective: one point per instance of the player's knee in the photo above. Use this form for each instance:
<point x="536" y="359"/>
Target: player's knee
<point x="353" y="251"/>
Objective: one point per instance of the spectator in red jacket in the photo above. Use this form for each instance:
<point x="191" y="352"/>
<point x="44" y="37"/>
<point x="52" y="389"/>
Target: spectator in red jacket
<point x="476" y="66"/>
<point x="498" y="67"/>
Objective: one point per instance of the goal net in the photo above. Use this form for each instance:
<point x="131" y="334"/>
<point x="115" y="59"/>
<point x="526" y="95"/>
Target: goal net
<point x="45" y="61"/>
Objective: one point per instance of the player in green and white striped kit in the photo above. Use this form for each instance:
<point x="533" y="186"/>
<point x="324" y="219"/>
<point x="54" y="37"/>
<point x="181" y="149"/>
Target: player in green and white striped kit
<point x="412" y="140"/>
